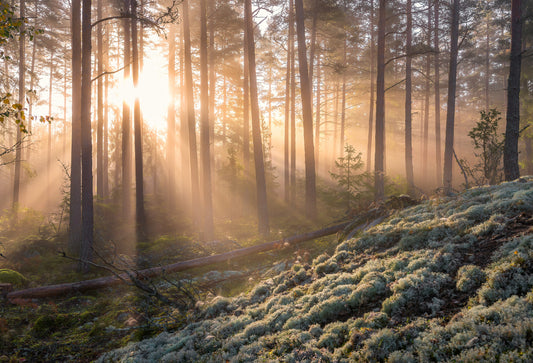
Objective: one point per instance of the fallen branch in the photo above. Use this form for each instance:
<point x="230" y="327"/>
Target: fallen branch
<point x="61" y="289"/>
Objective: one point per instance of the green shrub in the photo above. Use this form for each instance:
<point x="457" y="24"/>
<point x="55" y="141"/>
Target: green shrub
<point x="13" y="277"/>
<point x="470" y="278"/>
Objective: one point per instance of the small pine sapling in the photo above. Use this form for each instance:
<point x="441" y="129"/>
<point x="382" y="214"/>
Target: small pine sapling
<point x="348" y="179"/>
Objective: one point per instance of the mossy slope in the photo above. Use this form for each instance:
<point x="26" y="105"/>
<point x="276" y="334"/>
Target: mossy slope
<point x="446" y="280"/>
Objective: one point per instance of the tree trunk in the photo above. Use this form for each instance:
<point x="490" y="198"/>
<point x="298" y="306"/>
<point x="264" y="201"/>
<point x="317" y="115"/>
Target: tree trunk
<point x="317" y="122"/>
<point x="262" y="208"/>
<point x="286" y="146"/>
<point x="100" y="107"/>
<point x="450" y="115"/>
<point x="126" y="124"/>
<point x="343" y="102"/>
<point x="512" y="132"/>
<point x="426" y="103"/>
<point x="75" y="148"/>
<point x="307" y="111"/>
<point x="408" y="103"/>
<point x="21" y="99"/>
<point x="171" y="118"/>
<point x="212" y="93"/>
<point x="139" y="173"/>
<point x="207" y="211"/>
<point x="189" y="96"/>
<point x="293" y="105"/>
<point x="371" y="104"/>
<point x="49" y="148"/>
<point x="438" y="152"/>
<point x="487" y="65"/>
<point x="379" y="172"/>
<point x="86" y="141"/>
<point x="30" y="106"/>
<point x="246" y="108"/>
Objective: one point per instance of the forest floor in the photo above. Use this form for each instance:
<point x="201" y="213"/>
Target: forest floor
<point x="82" y="326"/>
<point x="449" y="279"/>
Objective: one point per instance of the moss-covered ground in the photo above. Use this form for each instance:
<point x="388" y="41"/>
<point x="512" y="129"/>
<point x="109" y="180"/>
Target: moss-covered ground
<point x="449" y="279"/>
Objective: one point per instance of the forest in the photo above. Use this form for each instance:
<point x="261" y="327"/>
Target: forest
<point x="266" y="180"/>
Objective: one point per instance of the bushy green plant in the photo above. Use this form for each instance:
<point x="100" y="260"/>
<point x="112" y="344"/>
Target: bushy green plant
<point x="469" y="278"/>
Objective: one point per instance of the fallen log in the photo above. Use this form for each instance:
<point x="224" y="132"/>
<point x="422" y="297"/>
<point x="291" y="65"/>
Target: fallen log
<point x="61" y="289"/>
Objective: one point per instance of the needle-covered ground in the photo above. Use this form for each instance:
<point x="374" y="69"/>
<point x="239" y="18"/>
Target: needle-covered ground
<point x="447" y="280"/>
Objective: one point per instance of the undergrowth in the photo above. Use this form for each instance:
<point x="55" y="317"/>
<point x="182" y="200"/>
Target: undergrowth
<point x="447" y="280"/>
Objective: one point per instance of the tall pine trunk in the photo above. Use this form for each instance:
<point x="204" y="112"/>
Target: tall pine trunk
<point x="262" y="208"/>
<point x="75" y="150"/>
<point x="100" y="107"/>
<point x="207" y="211"/>
<point x="452" y="83"/>
<point x="438" y="152"/>
<point x="21" y="99"/>
<point x="246" y="108"/>
<point x="379" y="171"/>
<point x="510" y="152"/>
<point x="408" y="102"/>
<point x="317" y="122"/>
<point x="371" y="103"/>
<point x="126" y="124"/>
<point x="191" y="122"/>
<point x="139" y="173"/>
<point x="86" y="142"/>
<point x="307" y="111"/>
<point x="171" y="118"/>
<point x="426" y="102"/>
<point x="286" y="145"/>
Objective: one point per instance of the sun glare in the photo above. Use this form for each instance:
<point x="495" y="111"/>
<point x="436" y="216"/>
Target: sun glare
<point x="152" y="92"/>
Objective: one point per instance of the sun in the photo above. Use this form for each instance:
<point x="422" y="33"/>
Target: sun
<point x="152" y="92"/>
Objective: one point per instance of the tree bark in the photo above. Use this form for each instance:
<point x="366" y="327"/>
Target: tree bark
<point x="408" y="102"/>
<point x="307" y="111"/>
<point x="343" y="102"/>
<point x="371" y="103"/>
<point x="207" y="211"/>
<point x="293" y="106"/>
<point x="512" y="132"/>
<point x="49" y="148"/>
<point x="450" y="115"/>
<point x="262" y="208"/>
<point x="21" y="99"/>
<point x="426" y="103"/>
<point x="487" y="64"/>
<point x="246" y="107"/>
<point x="317" y="122"/>
<point x="139" y="172"/>
<point x="86" y="141"/>
<point x="286" y="146"/>
<point x="75" y="148"/>
<point x="212" y="92"/>
<point x="100" y="107"/>
<point x="126" y="123"/>
<point x="171" y="118"/>
<point x="438" y="152"/>
<point x="189" y="95"/>
<point x="379" y="172"/>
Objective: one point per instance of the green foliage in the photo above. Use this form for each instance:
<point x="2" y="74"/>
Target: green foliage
<point x="469" y="278"/>
<point x="13" y="277"/>
<point x="351" y="183"/>
<point x="489" y="145"/>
